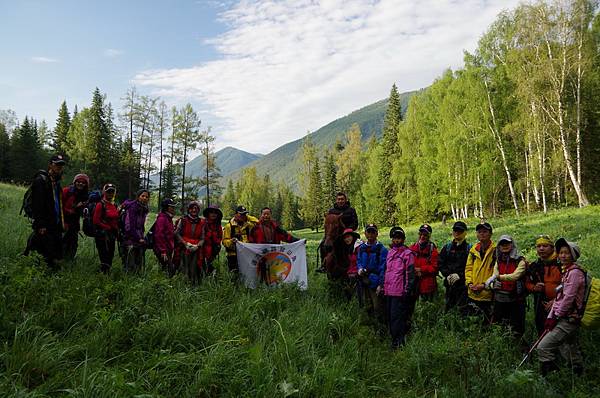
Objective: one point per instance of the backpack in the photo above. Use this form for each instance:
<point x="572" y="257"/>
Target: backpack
<point x="591" y="302"/>
<point x="27" y="204"/>
<point x="88" y="213"/>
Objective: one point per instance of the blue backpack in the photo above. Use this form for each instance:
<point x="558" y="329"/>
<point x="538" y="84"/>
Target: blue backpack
<point x="88" y="213"/>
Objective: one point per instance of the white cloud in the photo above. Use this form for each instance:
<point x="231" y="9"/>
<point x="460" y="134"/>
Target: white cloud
<point x="112" y="53"/>
<point x="291" y="66"/>
<point x="44" y="60"/>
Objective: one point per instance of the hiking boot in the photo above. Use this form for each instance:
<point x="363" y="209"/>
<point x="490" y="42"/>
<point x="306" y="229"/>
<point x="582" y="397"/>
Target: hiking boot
<point x="547" y="367"/>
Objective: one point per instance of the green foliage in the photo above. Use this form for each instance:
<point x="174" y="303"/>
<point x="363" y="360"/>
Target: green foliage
<point x="25" y="152"/>
<point x="61" y="129"/>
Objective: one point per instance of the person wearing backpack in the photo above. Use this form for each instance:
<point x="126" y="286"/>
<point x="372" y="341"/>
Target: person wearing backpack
<point x="74" y="198"/>
<point x="426" y="263"/>
<point x="542" y="277"/>
<point x="509" y="286"/>
<point x="190" y="238"/>
<point x="164" y="236"/>
<point x="399" y="285"/>
<point x="564" y="318"/>
<point x="106" y="226"/>
<point x="451" y="262"/>
<point x="213" y="236"/>
<point x="370" y="261"/>
<point x="133" y="215"/>
<point x="43" y="204"/>
<point x="479" y="271"/>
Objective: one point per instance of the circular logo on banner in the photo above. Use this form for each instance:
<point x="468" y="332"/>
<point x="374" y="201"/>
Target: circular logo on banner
<point x="274" y="267"/>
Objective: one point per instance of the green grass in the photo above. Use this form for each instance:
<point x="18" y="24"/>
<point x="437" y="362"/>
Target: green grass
<point x="80" y="333"/>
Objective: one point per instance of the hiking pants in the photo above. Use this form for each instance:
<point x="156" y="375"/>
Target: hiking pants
<point x="399" y="316"/>
<point x="166" y="265"/>
<point x="133" y="258"/>
<point x="232" y="264"/>
<point x="540" y="313"/>
<point x="511" y="314"/>
<point x="189" y="265"/>
<point x="563" y="339"/>
<point x="374" y="304"/>
<point x="48" y="245"/>
<point x="480" y="308"/>
<point x="106" y="252"/>
<point x="456" y="296"/>
<point x="70" y="243"/>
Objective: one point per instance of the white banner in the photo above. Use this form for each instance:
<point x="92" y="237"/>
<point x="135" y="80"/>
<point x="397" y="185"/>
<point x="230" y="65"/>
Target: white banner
<point x="272" y="264"/>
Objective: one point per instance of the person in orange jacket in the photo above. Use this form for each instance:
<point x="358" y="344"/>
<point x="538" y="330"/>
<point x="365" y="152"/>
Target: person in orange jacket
<point x="426" y="263"/>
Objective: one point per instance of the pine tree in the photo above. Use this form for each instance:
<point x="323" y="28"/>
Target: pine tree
<point x="210" y="178"/>
<point x="229" y="199"/>
<point x="4" y="153"/>
<point x="63" y="123"/>
<point x="186" y="137"/>
<point x="330" y="187"/>
<point x="25" y="152"/>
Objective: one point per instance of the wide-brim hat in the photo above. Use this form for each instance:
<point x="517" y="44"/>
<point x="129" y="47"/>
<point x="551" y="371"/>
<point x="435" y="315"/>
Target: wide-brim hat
<point x="573" y="248"/>
<point x="213" y="209"/>
<point x="350" y="231"/>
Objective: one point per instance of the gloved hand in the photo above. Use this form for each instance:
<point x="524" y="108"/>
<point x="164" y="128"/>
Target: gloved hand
<point x="497" y="285"/>
<point x="452" y="279"/>
<point x="550" y="323"/>
<point x="489" y="281"/>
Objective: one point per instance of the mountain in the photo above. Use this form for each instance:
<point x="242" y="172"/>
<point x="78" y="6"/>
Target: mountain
<point x="284" y="163"/>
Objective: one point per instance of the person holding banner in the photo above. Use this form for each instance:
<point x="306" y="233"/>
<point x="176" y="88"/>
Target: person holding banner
<point x="268" y="230"/>
<point x="237" y="230"/>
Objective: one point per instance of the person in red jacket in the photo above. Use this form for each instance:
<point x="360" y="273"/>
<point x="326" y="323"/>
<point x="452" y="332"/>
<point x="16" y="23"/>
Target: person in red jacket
<point x="268" y="230"/>
<point x="74" y="198"/>
<point x="426" y="263"/>
<point x="213" y="236"/>
<point x="106" y="223"/>
<point x="164" y="236"/>
<point x="190" y="238"/>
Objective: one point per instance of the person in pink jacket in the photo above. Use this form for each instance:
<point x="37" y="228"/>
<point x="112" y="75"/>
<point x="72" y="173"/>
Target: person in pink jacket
<point x="164" y="236"/>
<point x="399" y="285"/>
<point x="565" y="315"/>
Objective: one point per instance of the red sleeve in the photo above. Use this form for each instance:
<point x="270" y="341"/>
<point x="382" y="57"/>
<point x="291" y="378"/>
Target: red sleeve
<point x="98" y="220"/>
<point x="431" y="266"/>
<point x="68" y="204"/>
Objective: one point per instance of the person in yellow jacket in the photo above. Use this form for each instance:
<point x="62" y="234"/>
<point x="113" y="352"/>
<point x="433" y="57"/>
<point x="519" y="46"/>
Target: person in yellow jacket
<point x="479" y="272"/>
<point x="237" y="229"/>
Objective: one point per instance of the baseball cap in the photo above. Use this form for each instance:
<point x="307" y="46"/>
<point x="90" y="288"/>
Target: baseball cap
<point x="425" y="228"/>
<point x="371" y="227"/>
<point x="58" y="159"/>
<point x="241" y="209"/>
<point x="484" y="225"/>
<point x="459" y="226"/>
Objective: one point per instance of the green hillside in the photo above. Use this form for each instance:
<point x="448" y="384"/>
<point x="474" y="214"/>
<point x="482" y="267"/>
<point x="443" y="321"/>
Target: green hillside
<point x="283" y="163"/>
<point x="80" y="333"/>
<point x="228" y="159"/>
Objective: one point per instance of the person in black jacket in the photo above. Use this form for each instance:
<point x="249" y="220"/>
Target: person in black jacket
<point x="47" y="214"/>
<point x="342" y="206"/>
<point x="451" y="263"/>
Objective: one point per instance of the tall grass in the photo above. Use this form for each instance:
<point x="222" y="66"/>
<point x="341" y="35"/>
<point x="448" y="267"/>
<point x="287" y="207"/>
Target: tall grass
<point x="78" y="332"/>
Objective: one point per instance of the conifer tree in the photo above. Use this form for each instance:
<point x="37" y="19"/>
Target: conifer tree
<point x="25" y="152"/>
<point x="229" y="199"/>
<point x="63" y="123"/>
<point x="4" y="153"/>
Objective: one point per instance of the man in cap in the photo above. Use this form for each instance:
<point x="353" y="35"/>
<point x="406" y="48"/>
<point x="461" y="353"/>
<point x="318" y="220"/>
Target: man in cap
<point x="237" y="229"/>
<point x="565" y="315"/>
<point x="542" y="277"/>
<point x="479" y="270"/>
<point x="47" y="212"/>
<point x="452" y="261"/>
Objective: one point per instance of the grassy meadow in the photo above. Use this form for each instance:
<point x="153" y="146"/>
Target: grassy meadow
<point x="78" y="332"/>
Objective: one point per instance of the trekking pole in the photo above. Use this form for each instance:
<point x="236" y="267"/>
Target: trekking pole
<point x="533" y="347"/>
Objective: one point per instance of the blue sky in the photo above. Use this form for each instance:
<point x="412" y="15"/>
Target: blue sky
<point x="262" y="73"/>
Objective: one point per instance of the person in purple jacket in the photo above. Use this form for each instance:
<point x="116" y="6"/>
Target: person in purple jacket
<point x="399" y="283"/>
<point x="133" y="219"/>
<point x="565" y="315"/>
<point x="164" y="236"/>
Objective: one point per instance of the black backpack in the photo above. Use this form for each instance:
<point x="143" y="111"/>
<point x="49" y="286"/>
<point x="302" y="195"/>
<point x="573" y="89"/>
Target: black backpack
<point x="149" y="238"/>
<point x="27" y="205"/>
<point x="88" y="213"/>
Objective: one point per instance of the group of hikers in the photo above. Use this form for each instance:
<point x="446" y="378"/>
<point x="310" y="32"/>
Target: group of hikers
<point x="487" y="279"/>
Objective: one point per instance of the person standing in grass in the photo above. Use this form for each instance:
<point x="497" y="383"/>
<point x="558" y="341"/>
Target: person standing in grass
<point x="190" y="238"/>
<point x="213" y="236"/>
<point x="47" y="212"/>
<point x="370" y="261"/>
<point x="399" y="285"/>
<point x="134" y="250"/>
<point x="269" y="231"/>
<point x="451" y="262"/>
<point x="237" y="229"/>
<point x="478" y="270"/>
<point x="542" y="277"/>
<point x="106" y="224"/>
<point x="509" y="286"/>
<point x="74" y="199"/>
<point x="426" y="263"/>
<point x="164" y="236"/>
<point x="564" y="318"/>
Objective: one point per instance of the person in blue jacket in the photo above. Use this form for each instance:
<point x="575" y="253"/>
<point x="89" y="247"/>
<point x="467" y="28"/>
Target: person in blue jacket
<point x="370" y="261"/>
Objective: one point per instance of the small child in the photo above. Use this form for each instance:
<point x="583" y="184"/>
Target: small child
<point x="370" y="261"/>
<point x="565" y="315"/>
<point x="399" y="287"/>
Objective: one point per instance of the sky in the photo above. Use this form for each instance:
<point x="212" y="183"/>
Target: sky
<point x="260" y="73"/>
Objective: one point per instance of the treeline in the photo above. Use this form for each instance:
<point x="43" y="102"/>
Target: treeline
<point x="147" y="141"/>
<point x="517" y="128"/>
